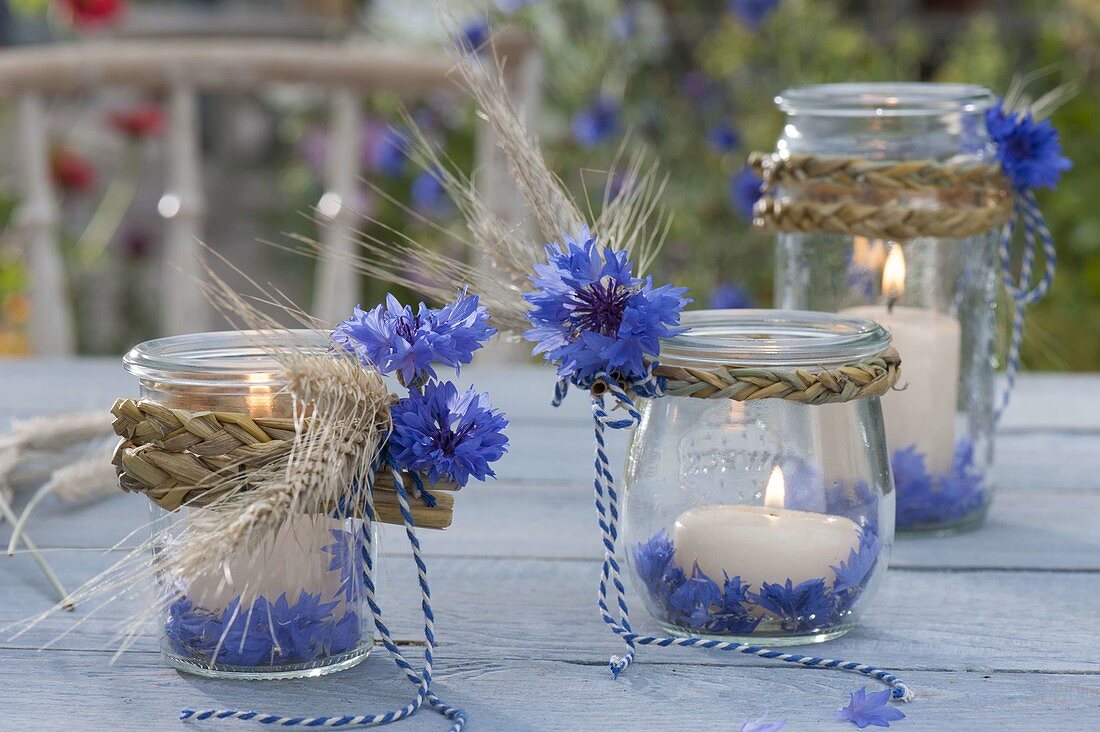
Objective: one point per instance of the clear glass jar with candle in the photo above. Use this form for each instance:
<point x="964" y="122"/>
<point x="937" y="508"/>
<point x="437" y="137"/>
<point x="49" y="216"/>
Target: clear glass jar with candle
<point x="762" y="512"/>
<point x="292" y="607"/>
<point x="916" y="162"/>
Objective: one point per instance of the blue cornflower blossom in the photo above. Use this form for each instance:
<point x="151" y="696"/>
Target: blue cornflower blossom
<point x="395" y="339"/>
<point x="744" y="192"/>
<point x="592" y="316"/>
<point x="852" y="573"/>
<point x="428" y="195"/>
<point x="753" y="12"/>
<point x="448" y="435"/>
<point x="693" y="602"/>
<point x="346" y="554"/>
<point x="924" y="499"/>
<point x="722" y="137"/>
<point x="1029" y="152"/>
<point x="870" y="709"/>
<point x="651" y="559"/>
<point x="264" y="633"/>
<point x="473" y="36"/>
<point x="597" y="122"/>
<point x="388" y="154"/>
<point x="729" y="297"/>
<point x="798" y="607"/>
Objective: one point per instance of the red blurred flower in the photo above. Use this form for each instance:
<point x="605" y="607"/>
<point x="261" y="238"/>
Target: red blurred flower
<point x="139" y="121"/>
<point x="91" y="13"/>
<point x="71" y="171"/>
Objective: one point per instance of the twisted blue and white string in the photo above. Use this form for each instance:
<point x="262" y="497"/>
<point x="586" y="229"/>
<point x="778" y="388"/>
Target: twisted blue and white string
<point x="1020" y="289"/>
<point x="423" y="679"/>
<point x="608" y="519"/>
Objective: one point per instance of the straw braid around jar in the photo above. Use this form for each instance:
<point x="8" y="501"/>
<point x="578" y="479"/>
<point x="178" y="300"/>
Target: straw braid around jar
<point x="178" y="457"/>
<point x="837" y="195"/>
<point x="866" y="377"/>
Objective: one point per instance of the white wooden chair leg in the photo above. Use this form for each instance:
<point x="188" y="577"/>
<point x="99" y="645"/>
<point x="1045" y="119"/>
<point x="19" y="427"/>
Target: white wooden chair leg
<point x="51" y="323"/>
<point x="184" y="309"/>
<point x="336" y="285"/>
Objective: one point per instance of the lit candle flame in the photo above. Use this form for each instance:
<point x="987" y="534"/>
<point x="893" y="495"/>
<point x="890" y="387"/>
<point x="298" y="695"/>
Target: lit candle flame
<point x="893" y="275"/>
<point x="259" y="400"/>
<point x="775" y="495"/>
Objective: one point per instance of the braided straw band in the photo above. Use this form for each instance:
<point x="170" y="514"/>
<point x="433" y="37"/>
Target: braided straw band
<point x="894" y="199"/>
<point x="867" y="377"/>
<point x="178" y="457"/>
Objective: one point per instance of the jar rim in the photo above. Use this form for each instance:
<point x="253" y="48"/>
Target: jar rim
<point x="772" y="338"/>
<point x="217" y="357"/>
<point x="884" y="99"/>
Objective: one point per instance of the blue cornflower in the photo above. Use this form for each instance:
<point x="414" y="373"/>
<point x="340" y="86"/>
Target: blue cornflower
<point x="652" y="557"/>
<point x="346" y="554"/>
<point x="394" y="339"/>
<point x="597" y="122"/>
<point x="428" y="195"/>
<point x="448" y="435"/>
<point x="853" y="573"/>
<point x="388" y="152"/>
<point x="722" y="137"/>
<point x="473" y="36"/>
<point x="870" y="709"/>
<point x="753" y="12"/>
<point x="693" y="603"/>
<point x="734" y="617"/>
<point x="744" y="192"/>
<point x="1029" y="152"/>
<point x="591" y="315"/>
<point x="798" y="607"/>
<point x="728" y="296"/>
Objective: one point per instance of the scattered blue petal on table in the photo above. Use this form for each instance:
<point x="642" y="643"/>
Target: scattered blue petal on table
<point x="866" y="710"/>
<point x="763" y="725"/>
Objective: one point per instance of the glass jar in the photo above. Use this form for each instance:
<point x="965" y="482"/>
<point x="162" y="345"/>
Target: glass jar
<point x="291" y="607"/>
<point x="765" y="520"/>
<point x="933" y="287"/>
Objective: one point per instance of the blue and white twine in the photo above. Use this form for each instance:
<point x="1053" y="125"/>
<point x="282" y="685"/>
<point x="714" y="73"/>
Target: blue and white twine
<point x="423" y="679"/>
<point x="1020" y="289"/>
<point x="607" y="516"/>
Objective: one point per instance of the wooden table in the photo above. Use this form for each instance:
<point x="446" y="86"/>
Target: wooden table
<point x="994" y="630"/>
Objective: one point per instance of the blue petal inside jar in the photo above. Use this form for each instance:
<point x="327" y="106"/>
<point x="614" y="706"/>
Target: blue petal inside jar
<point x="926" y="500"/>
<point x="295" y="627"/>
<point x="728" y="606"/>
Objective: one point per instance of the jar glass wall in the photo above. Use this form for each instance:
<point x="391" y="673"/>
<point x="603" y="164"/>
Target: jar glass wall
<point x="291" y="607"/>
<point x="935" y="294"/>
<point x="765" y="521"/>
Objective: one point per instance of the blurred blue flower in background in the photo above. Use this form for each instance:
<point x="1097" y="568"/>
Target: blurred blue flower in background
<point x="722" y="137"/>
<point x="744" y="192"/>
<point x="753" y="12"/>
<point x="728" y="296"/>
<point x="597" y="122"/>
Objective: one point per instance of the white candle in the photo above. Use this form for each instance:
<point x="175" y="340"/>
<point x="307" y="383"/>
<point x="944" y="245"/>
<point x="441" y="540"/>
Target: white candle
<point x="290" y="562"/>
<point x="766" y="543"/>
<point x="929" y="343"/>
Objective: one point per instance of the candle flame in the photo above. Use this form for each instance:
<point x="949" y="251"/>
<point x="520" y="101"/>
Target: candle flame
<point x="775" y="495"/>
<point x="893" y="274"/>
<point x="259" y="400"/>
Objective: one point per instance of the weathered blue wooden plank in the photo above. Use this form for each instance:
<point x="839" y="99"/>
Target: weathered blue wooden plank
<point x="1036" y="530"/>
<point x="531" y="608"/>
<point x="79" y="691"/>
